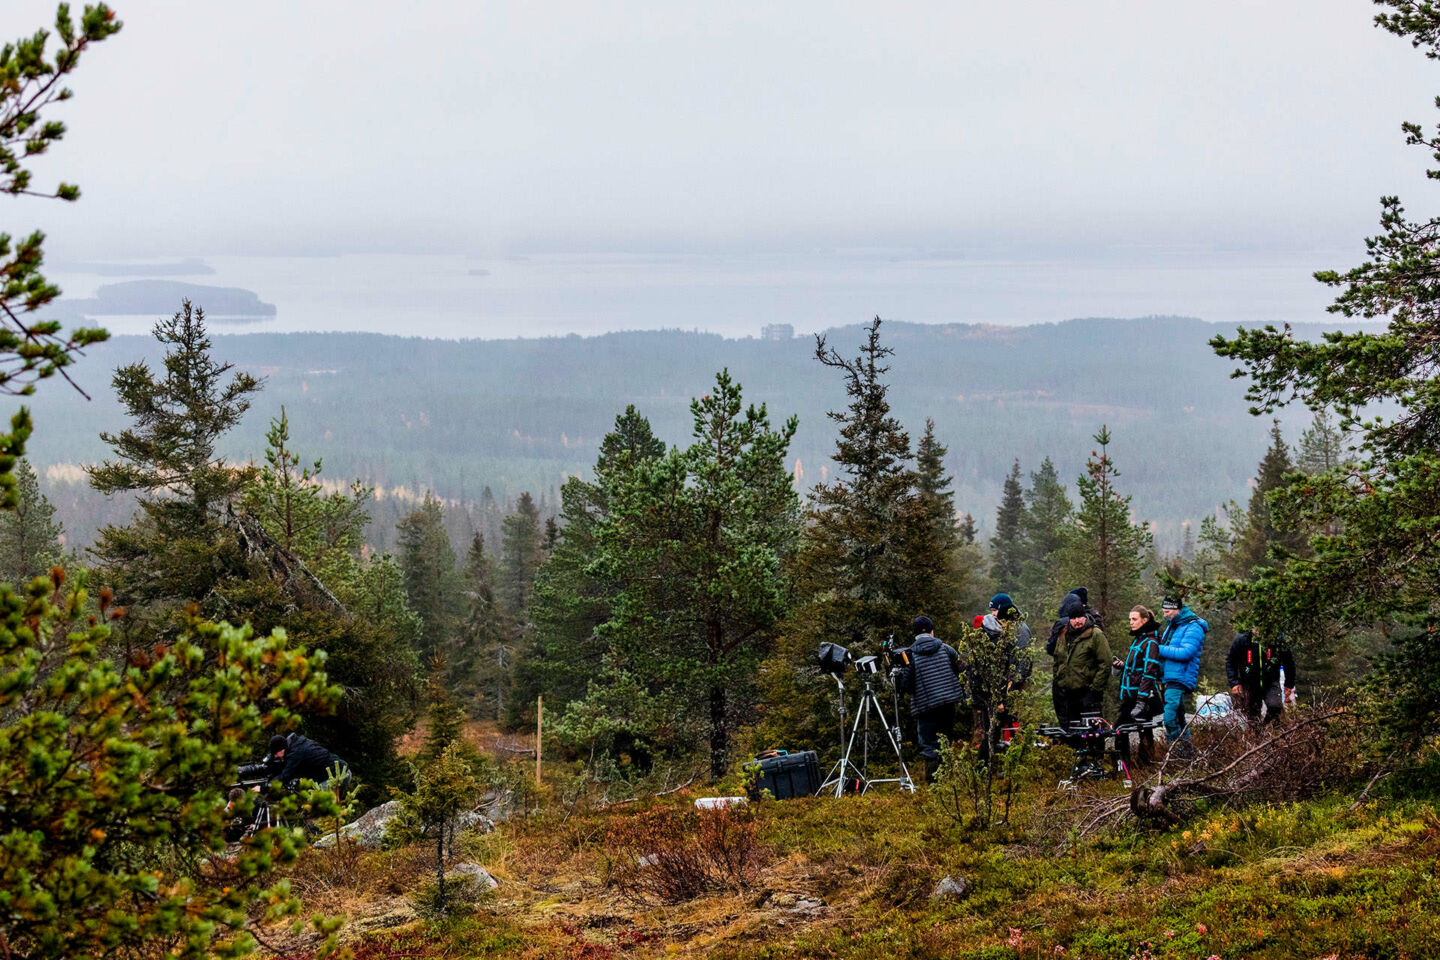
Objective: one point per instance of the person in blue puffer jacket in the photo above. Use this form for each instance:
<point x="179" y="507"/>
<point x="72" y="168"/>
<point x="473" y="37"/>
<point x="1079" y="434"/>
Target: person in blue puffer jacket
<point x="1180" y="647"/>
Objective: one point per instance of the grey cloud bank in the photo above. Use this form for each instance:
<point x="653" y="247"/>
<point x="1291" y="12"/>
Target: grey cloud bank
<point x="1043" y="131"/>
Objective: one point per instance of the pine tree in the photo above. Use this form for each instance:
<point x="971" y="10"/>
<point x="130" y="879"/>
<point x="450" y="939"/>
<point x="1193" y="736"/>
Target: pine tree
<point x="1044" y="527"/>
<point x="30" y="84"/>
<point x="29" y="533"/>
<point x="290" y="501"/>
<point x="967" y="528"/>
<point x="1104" y="550"/>
<point x="697" y="539"/>
<point x="1007" y="546"/>
<point x="431" y="582"/>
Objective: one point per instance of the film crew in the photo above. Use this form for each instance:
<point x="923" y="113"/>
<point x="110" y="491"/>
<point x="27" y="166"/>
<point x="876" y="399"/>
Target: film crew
<point x="1253" y="668"/>
<point x="294" y="758"/>
<point x="1142" y="677"/>
<point x="932" y="678"/>
<point x="1082" y="665"/>
<point x="1010" y="669"/>
<point x="1180" y="647"/>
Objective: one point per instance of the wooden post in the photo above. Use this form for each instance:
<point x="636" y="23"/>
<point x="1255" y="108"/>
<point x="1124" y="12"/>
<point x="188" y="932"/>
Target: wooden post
<point x="539" y="731"/>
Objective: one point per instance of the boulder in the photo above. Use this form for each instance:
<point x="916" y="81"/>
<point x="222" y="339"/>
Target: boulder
<point x="369" y="829"/>
<point x="951" y="888"/>
<point x="475" y="872"/>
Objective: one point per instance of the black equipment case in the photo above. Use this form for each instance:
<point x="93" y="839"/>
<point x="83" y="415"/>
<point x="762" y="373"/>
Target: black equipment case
<point x="786" y="775"/>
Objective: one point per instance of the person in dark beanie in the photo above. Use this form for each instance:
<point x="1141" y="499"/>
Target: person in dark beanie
<point x="1180" y="646"/>
<point x="1008" y="668"/>
<point x="1082" y="663"/>
<point x="1142" y="677"/>
<point x="1253" y="668"/>
<point x="932" y="678"/>
<point x="294" y="758"/>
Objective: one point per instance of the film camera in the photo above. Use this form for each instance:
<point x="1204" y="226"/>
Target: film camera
<point x="832" y="659"/>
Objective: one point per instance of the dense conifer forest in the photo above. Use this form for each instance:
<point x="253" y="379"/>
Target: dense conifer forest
<point x="426" y="649"/>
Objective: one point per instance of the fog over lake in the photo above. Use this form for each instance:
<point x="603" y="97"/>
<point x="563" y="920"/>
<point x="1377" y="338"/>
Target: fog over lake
<point x="735" y="295"/>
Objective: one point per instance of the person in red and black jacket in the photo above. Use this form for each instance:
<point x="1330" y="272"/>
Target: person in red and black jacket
<point x="1253" y="669"/>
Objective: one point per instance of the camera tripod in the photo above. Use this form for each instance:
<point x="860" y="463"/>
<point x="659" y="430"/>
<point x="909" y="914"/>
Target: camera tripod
<point x="845" y="769"/>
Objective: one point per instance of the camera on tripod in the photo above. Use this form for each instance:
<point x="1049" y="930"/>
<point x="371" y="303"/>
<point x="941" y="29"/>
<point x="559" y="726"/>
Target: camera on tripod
<point x="847" y="775"/>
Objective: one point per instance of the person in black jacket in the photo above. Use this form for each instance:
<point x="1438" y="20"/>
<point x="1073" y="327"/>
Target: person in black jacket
<point x="1253" y="669"/>
<point x="294" y="758"/>
<point x="932" y="678"/>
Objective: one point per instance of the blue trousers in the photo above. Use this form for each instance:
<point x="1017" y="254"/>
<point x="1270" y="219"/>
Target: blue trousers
<point x="1175" y="696"/>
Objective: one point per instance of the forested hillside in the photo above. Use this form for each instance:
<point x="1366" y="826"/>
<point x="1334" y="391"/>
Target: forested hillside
<point x="520" y="415"/>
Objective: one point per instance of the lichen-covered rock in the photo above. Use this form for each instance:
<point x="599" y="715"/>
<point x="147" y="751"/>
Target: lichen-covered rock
<point x="475" y="872"/>
<point x="951" y="888"/>
<point x="369" y="829"/>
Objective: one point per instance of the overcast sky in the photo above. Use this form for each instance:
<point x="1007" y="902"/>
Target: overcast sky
<point x="497" y="128"/>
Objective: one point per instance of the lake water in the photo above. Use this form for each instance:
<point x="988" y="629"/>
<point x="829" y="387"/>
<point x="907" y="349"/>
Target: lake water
<point x="554" y="295"/>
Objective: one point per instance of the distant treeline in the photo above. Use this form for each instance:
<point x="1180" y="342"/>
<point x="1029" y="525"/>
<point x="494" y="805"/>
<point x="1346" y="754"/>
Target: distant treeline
<point x="508" y="416"/>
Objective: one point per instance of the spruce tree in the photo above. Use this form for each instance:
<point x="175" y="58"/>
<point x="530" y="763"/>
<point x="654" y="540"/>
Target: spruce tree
<point x="1044" y="527"/>
<point x="484" y="659"/>
<point x="431" y="582"/>
<point x="29" y="533"/>
<point x="1261" y="534"/>
<point x="571" y="597"/>
<point x="176" y="550"/>
<point x="168" y="455"/>
<point x="521" y="552"/>
<point x="940" y="565"/>
<point x="853" y="555"/>
<point x="1007" y="546"/>
<point x="967" y="528"/>
<point x="1322" y="446"/>
<point x="1104" y="550"/>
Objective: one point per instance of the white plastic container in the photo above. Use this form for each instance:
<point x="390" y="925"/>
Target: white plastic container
<point x="718" y="803"/>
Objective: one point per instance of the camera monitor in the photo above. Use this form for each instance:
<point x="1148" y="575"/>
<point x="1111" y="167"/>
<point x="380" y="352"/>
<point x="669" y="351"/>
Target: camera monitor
<point x="832" y="658"/>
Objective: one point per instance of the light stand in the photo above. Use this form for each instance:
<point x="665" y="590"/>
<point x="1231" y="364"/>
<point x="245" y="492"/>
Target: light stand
<point x="870" y="700"/>
<point x="843" y="768"/>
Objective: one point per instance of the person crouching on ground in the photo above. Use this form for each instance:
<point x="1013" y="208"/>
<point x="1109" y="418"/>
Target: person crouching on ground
<point x="932" y="678"/>
<point x="1141" y="679"/>
<point x="1180" y="647"/>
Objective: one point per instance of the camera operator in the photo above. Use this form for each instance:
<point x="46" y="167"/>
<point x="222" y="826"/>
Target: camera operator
<point x="1082" y="661"/>
<point x="294" y="758"/>
<point x="932" y="678"/>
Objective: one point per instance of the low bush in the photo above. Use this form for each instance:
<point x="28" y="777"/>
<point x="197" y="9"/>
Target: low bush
<point x="671" y="856"/>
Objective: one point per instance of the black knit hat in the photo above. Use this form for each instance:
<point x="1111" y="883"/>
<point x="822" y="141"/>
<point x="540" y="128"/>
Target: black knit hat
<point x="278" y="743"/>
<point x="1072" y="606"/>
<point x="1171" y="603"/>
<point x="921" y="624"/>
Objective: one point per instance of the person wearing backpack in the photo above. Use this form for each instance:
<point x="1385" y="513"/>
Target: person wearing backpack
<point x="1253" y="668"/>
<point x="1180" y="647"/>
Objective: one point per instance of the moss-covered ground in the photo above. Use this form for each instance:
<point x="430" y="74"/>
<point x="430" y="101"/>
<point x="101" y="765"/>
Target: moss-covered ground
<point x="1323" y="878"/>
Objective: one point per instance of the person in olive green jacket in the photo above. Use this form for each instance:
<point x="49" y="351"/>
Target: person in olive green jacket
<point x="1082" y="662"/>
